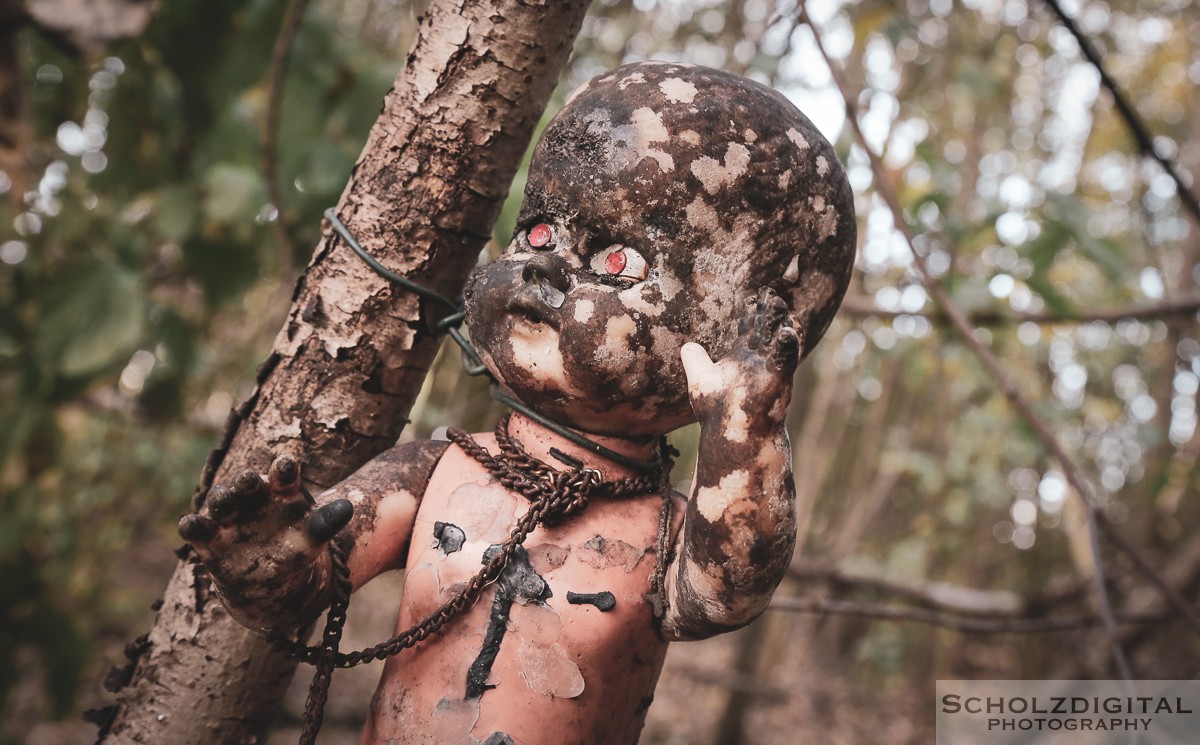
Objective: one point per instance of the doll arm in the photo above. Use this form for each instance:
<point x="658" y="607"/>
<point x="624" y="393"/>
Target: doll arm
<point x="264" y="544"/>
<point x="739" y="528"/>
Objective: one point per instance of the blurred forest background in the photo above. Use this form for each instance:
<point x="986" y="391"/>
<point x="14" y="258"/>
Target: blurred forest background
<point x="144" y="271"/>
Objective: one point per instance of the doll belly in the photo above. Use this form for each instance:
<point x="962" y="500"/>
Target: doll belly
<point x="523" y="661"/>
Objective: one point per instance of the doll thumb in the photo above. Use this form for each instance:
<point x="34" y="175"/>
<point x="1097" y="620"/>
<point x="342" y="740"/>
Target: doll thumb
<point x="702" y="374"/>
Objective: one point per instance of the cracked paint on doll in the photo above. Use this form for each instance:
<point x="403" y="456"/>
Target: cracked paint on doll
<point x="520" y="583"/>
<point x="603" y="553"/>
<point x="448" y="537"/>
<point x="483" y="512"/>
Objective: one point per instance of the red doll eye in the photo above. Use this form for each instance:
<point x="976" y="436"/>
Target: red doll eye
<point x="620" y="261"/>
<point x="539" y="235"/>
<point x="614" y="263"/>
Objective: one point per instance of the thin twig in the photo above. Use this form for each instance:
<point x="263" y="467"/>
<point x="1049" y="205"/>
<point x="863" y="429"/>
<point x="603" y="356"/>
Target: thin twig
<point x="960" y="623"/>
<point x="943" y="596"/>
<point x="860" y="305"/>
<point x="1141" y="133"/>
<point x="269" y="157"/>
<point x="1016" y="398"/>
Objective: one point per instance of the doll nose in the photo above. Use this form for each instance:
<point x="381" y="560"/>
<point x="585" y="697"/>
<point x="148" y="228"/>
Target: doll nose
<point x="549" y="269"/>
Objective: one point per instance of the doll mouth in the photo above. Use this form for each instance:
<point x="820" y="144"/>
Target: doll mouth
<point x="529" y="307"/>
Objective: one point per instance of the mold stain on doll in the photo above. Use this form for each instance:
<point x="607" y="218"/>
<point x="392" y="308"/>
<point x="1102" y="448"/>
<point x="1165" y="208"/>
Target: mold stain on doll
<point x="604" y="553"/>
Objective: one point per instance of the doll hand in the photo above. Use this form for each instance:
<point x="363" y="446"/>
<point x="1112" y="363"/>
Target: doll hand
<point x="262" y="540"/>
<point x="752" y="385"/>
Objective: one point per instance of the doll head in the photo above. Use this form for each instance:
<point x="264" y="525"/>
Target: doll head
<point x="660" y="199"/>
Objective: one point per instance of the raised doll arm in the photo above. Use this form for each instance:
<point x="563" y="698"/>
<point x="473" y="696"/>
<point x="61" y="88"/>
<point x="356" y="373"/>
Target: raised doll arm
<point x="739" y="529"/>
<point x="264" y="544"/>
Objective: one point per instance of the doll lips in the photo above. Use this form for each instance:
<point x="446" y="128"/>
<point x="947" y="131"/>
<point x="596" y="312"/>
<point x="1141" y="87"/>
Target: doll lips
<point x="534" y="305"/>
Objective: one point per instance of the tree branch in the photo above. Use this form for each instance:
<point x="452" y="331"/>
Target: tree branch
<point x="940" y="595"/>
<point x="948" y="597"/>
<point x="269" y="156"/>
<point x="965" y="623"/>
<point x="1141" y="133"/>
<point x="861" y="305"/>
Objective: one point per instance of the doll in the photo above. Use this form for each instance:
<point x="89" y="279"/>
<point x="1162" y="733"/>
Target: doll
<point x="674" y="215"/>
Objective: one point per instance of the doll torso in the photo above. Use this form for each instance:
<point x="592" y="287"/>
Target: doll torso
<point x="523" y="662"/>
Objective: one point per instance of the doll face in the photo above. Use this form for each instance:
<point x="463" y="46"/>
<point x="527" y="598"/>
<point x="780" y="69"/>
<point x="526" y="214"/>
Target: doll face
<point x="659" y="200"/>
<point x="584" y="322"/>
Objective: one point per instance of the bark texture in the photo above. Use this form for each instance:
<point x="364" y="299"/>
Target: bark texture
<point x="350" y="358"/>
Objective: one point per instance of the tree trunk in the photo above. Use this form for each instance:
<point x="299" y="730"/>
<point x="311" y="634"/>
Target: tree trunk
<point x="351" y="356"/>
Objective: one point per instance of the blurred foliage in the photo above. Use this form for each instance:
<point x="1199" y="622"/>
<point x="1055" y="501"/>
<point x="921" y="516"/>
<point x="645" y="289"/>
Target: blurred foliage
<point x="140" y="285"/>
<point x="138" y="289"/>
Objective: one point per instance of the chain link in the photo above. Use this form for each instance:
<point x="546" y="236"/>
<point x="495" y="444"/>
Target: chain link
<point x="326" y="653"/>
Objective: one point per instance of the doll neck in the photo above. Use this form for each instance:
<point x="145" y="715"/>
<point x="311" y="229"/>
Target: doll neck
<point x="539" y="440"/>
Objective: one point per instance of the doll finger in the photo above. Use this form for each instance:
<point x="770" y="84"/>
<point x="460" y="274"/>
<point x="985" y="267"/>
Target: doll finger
<point x="250" y="489"/>
<point x="771" y="310"/>
<point x="328" y="519"/>
<point x="695" y="359"/>
<point x="787" y="348"/>
<point x="703" y="375"/>
<point x="748" y="317"/>
<point x="775" y="312"/>
<point x="197" y="528"/>
<point x="222" y="503"/>
<point x="284" y="477"/>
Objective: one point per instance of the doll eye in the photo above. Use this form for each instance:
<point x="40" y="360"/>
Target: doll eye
<point x="540" y="235"/>
<point x="620" y="261"/>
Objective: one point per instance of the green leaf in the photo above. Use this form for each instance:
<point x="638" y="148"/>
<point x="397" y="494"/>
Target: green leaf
<point x="976" y="77"/>
<point x="328" y="168"/>
<point x="1042" y="251"/>
<point x="1055" y="301"/>
<point x="175" y="217"/>
<point x="1101" y="251"/>
<point x="971" y="294"/>
<point x="233" y="193"/>
<point x="95" y="318"/>
<point x="224" y="268"/>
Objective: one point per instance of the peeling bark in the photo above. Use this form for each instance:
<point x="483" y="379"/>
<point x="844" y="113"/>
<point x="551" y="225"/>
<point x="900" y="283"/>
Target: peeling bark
<point x="350" y="358"/>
